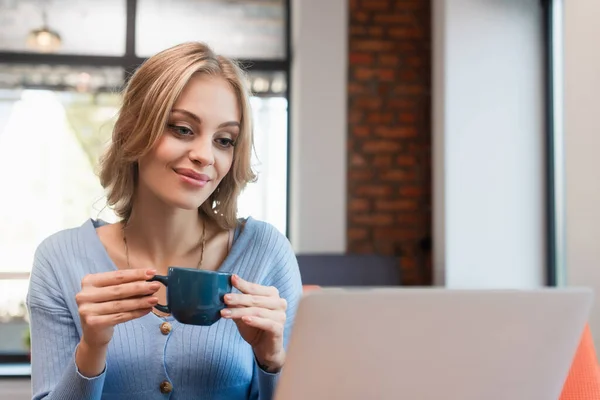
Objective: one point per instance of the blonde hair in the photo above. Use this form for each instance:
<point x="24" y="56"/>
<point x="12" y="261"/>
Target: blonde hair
<point x="147" y="101"/>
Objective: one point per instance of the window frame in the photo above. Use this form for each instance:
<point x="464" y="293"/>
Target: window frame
<point x="554" y="143"/>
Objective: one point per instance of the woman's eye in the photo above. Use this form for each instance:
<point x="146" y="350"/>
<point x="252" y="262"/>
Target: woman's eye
<point x="226" y="142"/>
<point x="180" y="130"/>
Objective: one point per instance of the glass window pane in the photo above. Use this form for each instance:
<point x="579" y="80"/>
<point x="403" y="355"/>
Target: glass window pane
<point x="240" y="29"/>
<point x="61" y="77"/>
<point x="14" y="324"/>
<point x="266" y="199"/>
<point x="82" y="26"/>
<point x="58" y="188"/>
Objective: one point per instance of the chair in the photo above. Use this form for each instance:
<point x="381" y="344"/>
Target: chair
<point x="349" y="269"/>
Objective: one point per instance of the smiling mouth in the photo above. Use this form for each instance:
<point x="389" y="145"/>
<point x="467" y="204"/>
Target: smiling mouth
<point x="192" y="177"/>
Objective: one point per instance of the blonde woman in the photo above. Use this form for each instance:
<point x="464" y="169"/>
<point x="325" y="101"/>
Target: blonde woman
<point x="180" y="155"/>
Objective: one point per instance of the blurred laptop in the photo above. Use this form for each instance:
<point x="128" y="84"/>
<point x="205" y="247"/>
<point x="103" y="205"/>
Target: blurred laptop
<point x="420" y="344"/>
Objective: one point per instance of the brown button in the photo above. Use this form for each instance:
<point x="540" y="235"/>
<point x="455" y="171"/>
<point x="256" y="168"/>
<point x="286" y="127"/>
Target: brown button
<point x="166" y="387"/>
<point x="165" y="328"/>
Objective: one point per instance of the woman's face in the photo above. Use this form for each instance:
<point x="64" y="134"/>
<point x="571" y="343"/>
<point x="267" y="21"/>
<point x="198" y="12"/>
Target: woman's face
<point x="195" y="151"/>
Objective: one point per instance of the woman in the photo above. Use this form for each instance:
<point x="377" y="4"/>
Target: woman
<point x="180" y="155"/>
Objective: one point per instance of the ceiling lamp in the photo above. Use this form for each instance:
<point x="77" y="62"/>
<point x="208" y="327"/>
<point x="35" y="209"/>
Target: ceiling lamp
<point x="44" y="40"/>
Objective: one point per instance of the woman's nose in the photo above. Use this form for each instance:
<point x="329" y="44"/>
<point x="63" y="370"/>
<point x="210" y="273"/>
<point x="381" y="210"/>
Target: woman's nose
<point x="202" y="152"/>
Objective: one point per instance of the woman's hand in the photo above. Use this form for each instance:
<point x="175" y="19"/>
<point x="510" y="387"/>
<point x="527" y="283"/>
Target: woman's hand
<point x="259" y="314"/>
<point x="110" y="298"/>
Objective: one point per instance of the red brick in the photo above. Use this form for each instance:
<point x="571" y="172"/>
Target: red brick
<point x="409" y="219"/>
<point x="375" y="31"/>
<point x="411" y="191"/>
<point x="412" y="89"/>
<point x="382" y="160"/>
<point x="358" y="30"/>
<point x="361" y="58"/>
<point x="377" y="5"/>
<point x="408" y="5"/>
<point x="361" y="175"/>
<point x="401" y="103"/>
<point x="355" y="88"/>
<point x="405" y="47"/>
<point x="357" y="160"/>
<point x="406" y="159"/>
<point x="389" y="59"/>
<point x="355" y="118"/>
<point x="414" y="61"/>
<point x="357" y="234"/>
<point x="363" y="247"/>
<point x="405" y="32"/>
<point x="363" y="73"/>
<point x="397" y="175"/>
<point x="372" y="219"/>
<point x="372" y="45"/>
<point x="359" y="205"/>
<point x="368" y="103"/>
<point x="392" y="19"/>
<point x="381" y="146"/>
<point x="396" y="132"/>
<point x="360" y="131"/>
<point x="406" y="117"/>
<point x="380" y="118"/>
<point x="394" y="234"/>
<point x="395" y="205"/>
<point x="373" y="190"/>
<point x="359" y="16"/>
<point x="386" y="74"/>
<point x="408" y="75"/>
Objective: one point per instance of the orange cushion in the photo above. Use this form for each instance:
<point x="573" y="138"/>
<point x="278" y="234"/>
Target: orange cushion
<point x="308" y="288"/>
<point x="583" y="381"/>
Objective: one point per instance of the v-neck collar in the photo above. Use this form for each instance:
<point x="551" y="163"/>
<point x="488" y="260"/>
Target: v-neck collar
<point x="241" y="238"/>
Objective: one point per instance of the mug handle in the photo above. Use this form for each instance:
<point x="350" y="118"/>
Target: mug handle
<point x="165" y="281"/>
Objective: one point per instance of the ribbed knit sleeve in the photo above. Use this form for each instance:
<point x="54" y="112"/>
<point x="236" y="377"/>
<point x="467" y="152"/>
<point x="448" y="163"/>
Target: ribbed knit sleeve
<point x="284" y="274"/>
<point x="54" y="336"/>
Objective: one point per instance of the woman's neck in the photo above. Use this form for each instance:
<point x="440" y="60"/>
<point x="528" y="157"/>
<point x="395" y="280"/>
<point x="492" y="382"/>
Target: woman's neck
<point x="163" y="236"/>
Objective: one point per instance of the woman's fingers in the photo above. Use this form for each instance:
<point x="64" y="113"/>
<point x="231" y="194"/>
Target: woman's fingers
<point x="253" y="288"/>
<point x="118" y="277"/>
<point x="118" y="306"/>
<point x="126" y="290"/>
<point x="248" y="300"/>
<point x="239" y="313"/>
<point x="103" y="321"/>
<point x="264" y="324"/>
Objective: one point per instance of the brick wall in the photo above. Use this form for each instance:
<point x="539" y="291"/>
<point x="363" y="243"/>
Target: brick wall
<point x="389" y="132"/>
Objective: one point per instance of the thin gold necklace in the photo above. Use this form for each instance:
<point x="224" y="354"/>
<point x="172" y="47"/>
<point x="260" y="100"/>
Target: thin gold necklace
<point x="203" y="244"/>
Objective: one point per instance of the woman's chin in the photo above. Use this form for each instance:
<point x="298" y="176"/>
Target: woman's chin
<point x="185" y="204"/>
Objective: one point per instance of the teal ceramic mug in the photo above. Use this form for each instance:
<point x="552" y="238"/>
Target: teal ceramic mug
<point x="194" y="296"/>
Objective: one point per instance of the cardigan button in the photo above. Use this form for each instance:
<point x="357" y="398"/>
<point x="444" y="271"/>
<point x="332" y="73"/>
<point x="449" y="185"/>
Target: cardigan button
<point x="166" y="387"/>
<point x="165" y="328"/>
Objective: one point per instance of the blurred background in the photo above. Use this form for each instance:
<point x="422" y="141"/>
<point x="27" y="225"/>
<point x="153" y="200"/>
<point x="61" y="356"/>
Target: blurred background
<point x="398" y="142"/>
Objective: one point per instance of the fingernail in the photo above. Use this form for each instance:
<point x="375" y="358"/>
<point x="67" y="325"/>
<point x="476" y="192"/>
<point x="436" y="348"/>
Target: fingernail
<point x="227" y="297"/>
<point x="153" y="300"/>
<point x="150" y="272"/>
<point x="154" y="285"/>
<point x="225" y="312"/>
<point x="247" y="319"/>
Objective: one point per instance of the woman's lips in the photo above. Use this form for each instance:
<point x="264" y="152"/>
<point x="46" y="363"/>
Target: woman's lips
<point x="192" y="177"/>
